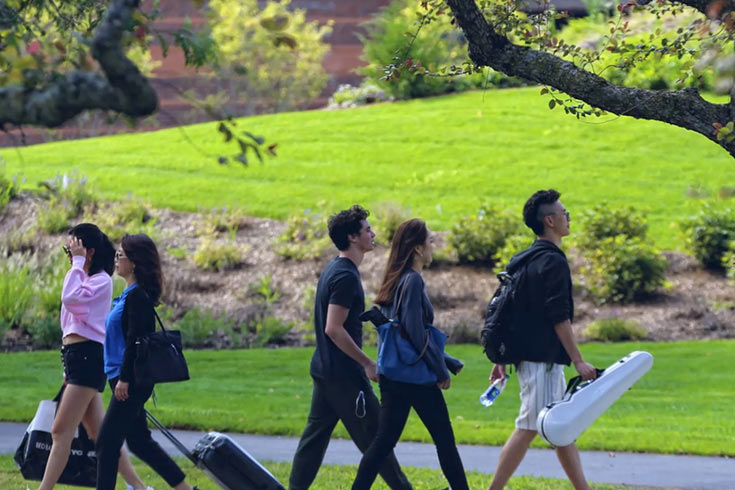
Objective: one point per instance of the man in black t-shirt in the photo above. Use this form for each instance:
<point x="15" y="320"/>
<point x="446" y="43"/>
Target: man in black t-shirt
<point x="339" y="368"/>
<point x="542" y="315"/>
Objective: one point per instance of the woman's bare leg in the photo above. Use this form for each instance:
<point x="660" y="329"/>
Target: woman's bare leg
<point x="92" y="421"/>
<point x="73" y="406"/>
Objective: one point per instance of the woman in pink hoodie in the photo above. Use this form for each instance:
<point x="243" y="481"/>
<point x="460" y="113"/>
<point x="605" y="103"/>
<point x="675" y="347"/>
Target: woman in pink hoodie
<point x="85" y="301"/>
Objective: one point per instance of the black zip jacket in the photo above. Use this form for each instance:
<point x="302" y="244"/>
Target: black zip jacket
<point x="542" y="299"/>
<point x="138" y="319"/>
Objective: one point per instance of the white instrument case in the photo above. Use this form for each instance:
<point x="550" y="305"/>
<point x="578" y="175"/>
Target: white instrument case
<point x="560" y="423"/>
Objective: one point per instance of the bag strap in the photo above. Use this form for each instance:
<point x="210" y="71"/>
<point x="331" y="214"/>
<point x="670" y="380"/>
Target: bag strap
<point x="154" y="309"/>
<point x="395" y="337"/>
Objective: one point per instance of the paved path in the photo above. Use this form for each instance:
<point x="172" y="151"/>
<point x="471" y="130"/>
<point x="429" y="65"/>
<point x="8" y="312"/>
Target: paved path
<point x="649" y="470"/>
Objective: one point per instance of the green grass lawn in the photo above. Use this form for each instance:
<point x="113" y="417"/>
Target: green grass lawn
<point x="441" y="157"/>
<point x="683" y="405"/>
<point x="329" y="478"/>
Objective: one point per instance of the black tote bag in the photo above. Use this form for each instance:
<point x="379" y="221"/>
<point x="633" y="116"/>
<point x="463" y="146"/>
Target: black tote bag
<point x="160" y="357"/>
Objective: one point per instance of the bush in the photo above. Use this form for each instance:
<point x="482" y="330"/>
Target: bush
<point x="16" y="290"/>
<point x="306" y="236"/>
<point x="513" y="245"/>
<point x="9" y="187"/>
<point x="708" y="235"/>
<point x="217" y="255"/>
<point x="620" y="269"/>
<point x="602" y="222"/>
<point x="265" y="290"/>
<point x="198" y="327"/>
<point x="614" y="330"/>
<point x="388" y="217"/>
<point x="271" y="330"/>
<point x="728" y="262"/>
<point x="120" y="218"/>
<point x="45" y="331"/>
<point x="477" y="239"/>
<point x="367" y="93"/>
<point x="68" y="195"/>
<point x="438" y="44"/>
<point x="221" y="220"/>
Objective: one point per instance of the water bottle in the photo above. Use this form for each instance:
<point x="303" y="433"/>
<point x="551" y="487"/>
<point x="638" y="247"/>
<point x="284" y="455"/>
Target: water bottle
<point x="489" y="396"/>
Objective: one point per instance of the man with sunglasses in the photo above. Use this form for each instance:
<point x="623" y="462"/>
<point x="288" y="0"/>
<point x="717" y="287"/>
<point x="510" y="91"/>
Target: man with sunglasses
<point x="543" y="311"/>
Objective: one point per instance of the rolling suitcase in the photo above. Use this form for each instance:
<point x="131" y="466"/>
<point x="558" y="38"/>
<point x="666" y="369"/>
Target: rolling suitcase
<point x="561" y="422"/>
<point x="224" y="461"/>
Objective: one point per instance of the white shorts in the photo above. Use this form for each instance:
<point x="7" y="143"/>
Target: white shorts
<point x="541" y="383"/>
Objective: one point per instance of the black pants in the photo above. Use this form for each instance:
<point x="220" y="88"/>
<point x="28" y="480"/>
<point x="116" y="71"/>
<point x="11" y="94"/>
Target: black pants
<point x="332" y="401"/>
<point x="125" y="421"/>
<point x="396" y="401"/>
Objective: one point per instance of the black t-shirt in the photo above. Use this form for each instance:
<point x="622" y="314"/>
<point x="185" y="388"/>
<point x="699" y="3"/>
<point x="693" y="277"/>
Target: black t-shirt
<point x="340" y="285"/>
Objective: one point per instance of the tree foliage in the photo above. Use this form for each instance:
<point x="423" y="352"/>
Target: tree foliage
<point x="501" y="35"/>
<point x="268" y="55"/>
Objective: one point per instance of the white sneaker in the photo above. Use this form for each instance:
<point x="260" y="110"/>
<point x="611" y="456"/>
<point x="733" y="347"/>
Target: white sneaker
<point x="128" y="486"/>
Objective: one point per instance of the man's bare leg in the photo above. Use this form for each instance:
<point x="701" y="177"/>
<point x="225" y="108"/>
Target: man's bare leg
<point x="569" y="459"/>
<point x="511" y="456"/>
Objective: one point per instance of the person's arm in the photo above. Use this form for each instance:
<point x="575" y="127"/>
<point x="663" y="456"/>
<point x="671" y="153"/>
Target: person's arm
<point x="566" y="336"/>
<point x="137" y="307"/>
<point x="411" y="318"/>
<point x="80" y="290"/>
<point x="335" y="330"/>
<point x="498" y="372"/>
<point x="453" y="364"/>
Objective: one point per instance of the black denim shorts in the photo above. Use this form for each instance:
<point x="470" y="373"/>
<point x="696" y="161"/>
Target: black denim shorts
<point x="84" y="364"/>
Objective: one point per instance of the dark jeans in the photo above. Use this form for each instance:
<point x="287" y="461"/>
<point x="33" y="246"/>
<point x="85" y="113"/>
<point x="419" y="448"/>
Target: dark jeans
<point x="125" y="421"/>
<point x="396" y="401"/>
<point x="332" y="401"/>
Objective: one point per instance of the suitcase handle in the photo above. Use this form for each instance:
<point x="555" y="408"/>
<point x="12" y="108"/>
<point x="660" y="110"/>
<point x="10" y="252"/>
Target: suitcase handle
<point x="170" y="437"/>
<point x="575" y="383"/>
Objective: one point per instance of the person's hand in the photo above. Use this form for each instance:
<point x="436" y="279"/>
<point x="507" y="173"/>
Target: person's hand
<point x="444" y="385"/>
<point x="498" y="372"/>
<point x="76" y="247"/>
<point x="121" y="390"/>
<point x="585" y="369"/>
<point x="371" y="370"/>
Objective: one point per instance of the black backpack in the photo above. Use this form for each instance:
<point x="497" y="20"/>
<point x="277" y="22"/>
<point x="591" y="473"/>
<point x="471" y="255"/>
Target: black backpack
<point x="498" y="334"/>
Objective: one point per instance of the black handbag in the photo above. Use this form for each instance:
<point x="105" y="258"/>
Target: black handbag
<point x="160" y="357"/>
<point x="34" y="449"/>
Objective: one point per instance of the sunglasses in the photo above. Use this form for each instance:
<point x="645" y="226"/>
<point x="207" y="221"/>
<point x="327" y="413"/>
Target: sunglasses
<point x="67" y="250"/>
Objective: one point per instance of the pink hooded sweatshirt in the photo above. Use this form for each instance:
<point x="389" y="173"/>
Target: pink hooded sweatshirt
<point x="85" y="302"/>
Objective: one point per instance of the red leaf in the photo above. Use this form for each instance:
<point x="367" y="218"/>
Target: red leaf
<point x="140" y="32"/>
<point x="272" y="149"/>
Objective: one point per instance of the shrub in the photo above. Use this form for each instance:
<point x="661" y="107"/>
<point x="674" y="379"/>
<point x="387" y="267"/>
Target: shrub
<point x="708" y="234"/>
<point x="614" y="330"/>
<point x="68" y="195"/>
<point x="728" y="262"/>
<point x="198" y="327"/>
<point x="513" y="245"/>
<point x="264" y="290"/>
<point x="366" y="93"/>
<point x="16" y="290"/>
<point x="45" y="331"/>
<point x="602" y="222"/>
<point x="119" y="218"/>
<point x="622" y="270"/>
<point x="477" y="239"/>
<point x="439" y="44"/>
<point x="388" y="217"/>
<point x="217" y="255"/>
<point x="221" y="220"/>
<point x="271" y="330"/>
<point x="306" y="236"/>
<point x="9" y="187"/>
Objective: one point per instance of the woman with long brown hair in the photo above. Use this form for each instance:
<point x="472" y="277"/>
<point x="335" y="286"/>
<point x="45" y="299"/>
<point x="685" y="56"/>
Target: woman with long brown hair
<point x="132" y="316"/>
<point x="411" y="251"/>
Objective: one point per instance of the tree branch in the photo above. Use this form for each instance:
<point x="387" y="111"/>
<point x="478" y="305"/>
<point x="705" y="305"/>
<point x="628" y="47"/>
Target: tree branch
<point x="122" y="88"/>
<point x="684" y="108"/>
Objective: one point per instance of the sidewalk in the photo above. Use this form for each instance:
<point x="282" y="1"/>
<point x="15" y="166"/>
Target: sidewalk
<point x="648" y="470"/>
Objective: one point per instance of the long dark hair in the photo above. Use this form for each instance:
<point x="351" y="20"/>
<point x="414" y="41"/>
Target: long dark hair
<point x="409" y="235"/>
<point x="142" y="252"/>
<point x="92" y="237"/>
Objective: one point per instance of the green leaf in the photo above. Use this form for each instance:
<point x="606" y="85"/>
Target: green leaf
<point x="552" y="104"/>
<point x="276" y="23"/>
<point x="544" y="91"/>
<point x="286" y="39"/>
<point x="222" y="128"/>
